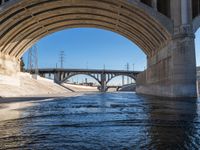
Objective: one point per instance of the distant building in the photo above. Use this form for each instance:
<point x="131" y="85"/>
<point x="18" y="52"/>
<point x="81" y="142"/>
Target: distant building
<point x="88" y="84"/>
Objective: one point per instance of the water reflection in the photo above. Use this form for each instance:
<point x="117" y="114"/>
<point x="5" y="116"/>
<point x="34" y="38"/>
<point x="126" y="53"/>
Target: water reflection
<point x="173" y="124"/>
<point x="104" y="121"/>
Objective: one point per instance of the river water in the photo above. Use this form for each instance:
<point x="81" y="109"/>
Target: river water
<point x="118" y="121"/>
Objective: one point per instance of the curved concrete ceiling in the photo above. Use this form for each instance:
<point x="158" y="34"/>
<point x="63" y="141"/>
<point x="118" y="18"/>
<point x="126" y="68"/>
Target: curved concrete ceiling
<point x="24" y="22"/>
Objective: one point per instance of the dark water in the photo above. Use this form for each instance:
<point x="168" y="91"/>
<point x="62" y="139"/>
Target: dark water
<point x="116" y="121"/>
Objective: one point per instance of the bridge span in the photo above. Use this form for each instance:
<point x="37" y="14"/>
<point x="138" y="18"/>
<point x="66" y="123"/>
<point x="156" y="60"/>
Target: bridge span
<point x="103" y="77"/>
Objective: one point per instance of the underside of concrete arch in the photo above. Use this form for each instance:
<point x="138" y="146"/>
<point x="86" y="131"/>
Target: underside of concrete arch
<point x="78" y="74"/>
<point x="167" y="42"/>
<point x="130" y="76"/>
<point x="22" y="24"/>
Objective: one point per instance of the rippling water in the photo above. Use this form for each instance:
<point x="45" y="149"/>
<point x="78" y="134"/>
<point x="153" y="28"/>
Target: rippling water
<point x="104" y="121"/>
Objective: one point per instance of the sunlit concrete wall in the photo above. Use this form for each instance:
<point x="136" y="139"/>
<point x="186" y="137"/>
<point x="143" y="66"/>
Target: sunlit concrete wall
<point x="171" y="71"/>
<point x="9" y="65"/>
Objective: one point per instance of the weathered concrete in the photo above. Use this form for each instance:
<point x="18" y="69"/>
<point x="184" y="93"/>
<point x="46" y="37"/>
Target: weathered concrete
<point x="9" y="65"/>
<point x="164" y="30"/>
<point x="24" y="21"/>
<point x="171" y="72"/>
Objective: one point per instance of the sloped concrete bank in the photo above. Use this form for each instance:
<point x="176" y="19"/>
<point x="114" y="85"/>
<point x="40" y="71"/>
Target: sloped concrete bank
<point x="24" y="84"/>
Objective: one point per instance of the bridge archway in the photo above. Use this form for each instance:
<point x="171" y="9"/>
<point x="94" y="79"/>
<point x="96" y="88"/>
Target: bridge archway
<point x="78" y="74"/>
<point x="120" y="75"/>
<point x="162" y="29"/>
<point x="35" y="19"/>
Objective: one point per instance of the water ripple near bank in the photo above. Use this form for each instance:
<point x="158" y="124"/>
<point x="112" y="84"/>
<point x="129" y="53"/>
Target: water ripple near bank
<point x="103" y="121"/>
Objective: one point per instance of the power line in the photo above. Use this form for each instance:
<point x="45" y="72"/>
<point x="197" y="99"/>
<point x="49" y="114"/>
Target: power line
<point x="62" y="57"/>
<point x="33" y="60"/>
<point x="86" y="65"/>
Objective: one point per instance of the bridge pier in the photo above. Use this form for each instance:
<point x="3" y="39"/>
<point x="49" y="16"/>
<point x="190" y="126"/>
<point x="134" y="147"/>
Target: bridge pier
<point x="103" y="83"/>
<point x="171" y="72"/>
<point x="57" y="77"/>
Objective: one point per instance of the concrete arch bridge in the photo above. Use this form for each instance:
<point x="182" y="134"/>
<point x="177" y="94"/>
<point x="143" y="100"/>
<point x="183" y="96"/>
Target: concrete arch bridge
<point x="163" y="29"/>
<point x="103" y="77"/>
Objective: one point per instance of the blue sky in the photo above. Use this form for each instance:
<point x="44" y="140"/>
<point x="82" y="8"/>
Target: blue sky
<point x="89" y="47"/>
<point x="197" y="45"/>
<point x="93" y="48"/>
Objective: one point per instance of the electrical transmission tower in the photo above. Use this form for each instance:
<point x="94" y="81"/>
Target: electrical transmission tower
<point x="33" y="60"/>
<point x="62" y="57"/>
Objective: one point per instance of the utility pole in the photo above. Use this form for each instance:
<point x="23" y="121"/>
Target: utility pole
<point x="62" y="57"/>
<point x="86" y="65"/>
<point x="104" y="67"/>
<point x="32" y="65"/>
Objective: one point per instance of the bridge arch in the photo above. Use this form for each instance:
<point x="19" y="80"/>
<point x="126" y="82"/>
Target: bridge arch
<point x="164" y="34"/>
<point x="76" y="74"/>
<point x="131" y="76"/>
<point x="23" y="22"/>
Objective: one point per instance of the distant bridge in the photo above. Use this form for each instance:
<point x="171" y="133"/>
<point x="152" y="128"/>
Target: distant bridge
<point x="127" y="87"/>
<point x="103" y="77"/>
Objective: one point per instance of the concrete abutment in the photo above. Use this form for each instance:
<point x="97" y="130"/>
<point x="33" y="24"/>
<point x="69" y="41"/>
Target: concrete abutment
<point x="9" y="65"/>
<point x="172" y="71"/>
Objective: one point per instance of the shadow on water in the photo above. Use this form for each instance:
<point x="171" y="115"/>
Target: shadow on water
<point x="105" y="121"/>
<point x="174" y="123"/>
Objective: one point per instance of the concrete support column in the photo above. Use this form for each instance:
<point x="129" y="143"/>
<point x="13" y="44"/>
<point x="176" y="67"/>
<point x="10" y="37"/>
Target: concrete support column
<point x="171" y="71"/>
<point x="154" y="4"/>
<point x="62" y="76"/>
<point x="185" y="11"/>
<point x="181" y="12"/>
<point x="103" y="83"/>
<point x="57" y="77"/>
<point x="175" y="6"/>
<point x="184" y="67"/>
